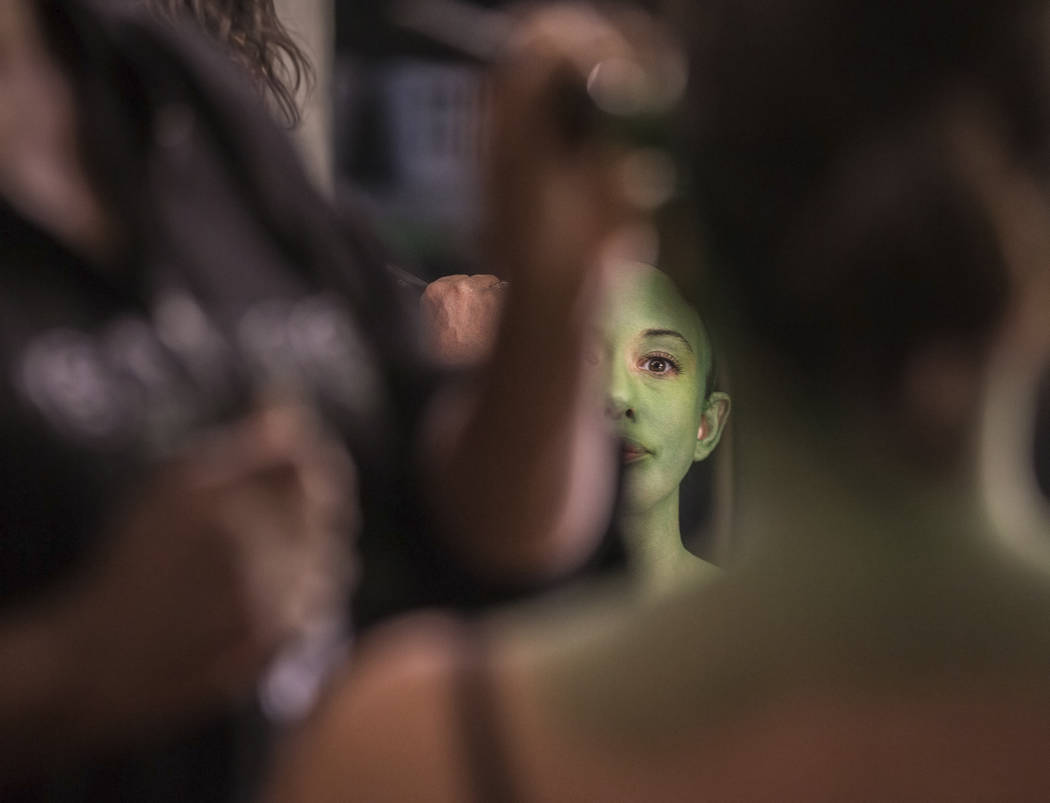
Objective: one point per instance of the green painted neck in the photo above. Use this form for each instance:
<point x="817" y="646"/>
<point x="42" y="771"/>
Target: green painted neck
<point x="655" y="551"/>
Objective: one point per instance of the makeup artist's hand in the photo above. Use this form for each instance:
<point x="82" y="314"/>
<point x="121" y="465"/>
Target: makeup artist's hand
<point x="560" y="178"/>
<point x="223" y="554"/>
<point x="460" y="318"/>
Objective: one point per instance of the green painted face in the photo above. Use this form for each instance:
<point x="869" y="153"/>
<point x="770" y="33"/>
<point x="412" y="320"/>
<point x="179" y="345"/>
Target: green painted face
<point x="657" y="357"/>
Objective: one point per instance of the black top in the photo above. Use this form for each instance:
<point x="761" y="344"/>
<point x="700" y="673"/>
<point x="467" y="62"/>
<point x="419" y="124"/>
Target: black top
<point x="233" y="275"/>
<point x="488" y="766"/>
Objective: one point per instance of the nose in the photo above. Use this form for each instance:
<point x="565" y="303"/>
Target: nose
<point x="618" y="402"/>
<point x="615" y="409"/>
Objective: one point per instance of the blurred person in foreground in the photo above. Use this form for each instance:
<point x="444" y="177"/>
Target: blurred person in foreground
<point x="190" y="336"/>
<point x="175" y="512"/>
<point x="870" y="174"/>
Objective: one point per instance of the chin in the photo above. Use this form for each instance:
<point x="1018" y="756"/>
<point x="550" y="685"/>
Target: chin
<point x="635" y="500"/>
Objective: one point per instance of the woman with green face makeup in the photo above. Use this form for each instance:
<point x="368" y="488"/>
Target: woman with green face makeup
<point x="655" y="356"/>
<point x="656" y="359"/>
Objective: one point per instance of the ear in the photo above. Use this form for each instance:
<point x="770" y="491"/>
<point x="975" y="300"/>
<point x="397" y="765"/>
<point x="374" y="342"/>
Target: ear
<point x="712" y="422"/>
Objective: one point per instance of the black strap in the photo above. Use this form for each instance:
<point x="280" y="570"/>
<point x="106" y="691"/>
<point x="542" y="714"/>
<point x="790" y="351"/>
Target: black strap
<point x="488" y="763"/>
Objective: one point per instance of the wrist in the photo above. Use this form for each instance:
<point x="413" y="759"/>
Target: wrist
<point x="72" y="662"/>
<point x="40" y="690"/>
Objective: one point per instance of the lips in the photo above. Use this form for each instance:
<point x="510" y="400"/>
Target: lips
<point x="632" y="451"/>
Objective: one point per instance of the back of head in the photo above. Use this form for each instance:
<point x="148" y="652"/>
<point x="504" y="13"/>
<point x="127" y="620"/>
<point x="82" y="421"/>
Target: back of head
<point x="833" y="142"/>
<point x="256" y="39"/>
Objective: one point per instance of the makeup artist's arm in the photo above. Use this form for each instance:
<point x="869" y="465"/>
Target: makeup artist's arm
<point x="520" y="466"/>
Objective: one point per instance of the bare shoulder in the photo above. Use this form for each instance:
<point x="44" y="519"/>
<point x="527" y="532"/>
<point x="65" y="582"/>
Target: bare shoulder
<point x="386" y="730"/>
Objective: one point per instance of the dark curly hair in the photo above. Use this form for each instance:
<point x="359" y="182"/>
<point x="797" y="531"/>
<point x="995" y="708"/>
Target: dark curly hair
<point x="256" y="39"/>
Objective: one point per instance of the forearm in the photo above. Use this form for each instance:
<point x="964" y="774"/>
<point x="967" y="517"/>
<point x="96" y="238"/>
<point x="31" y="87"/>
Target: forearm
<point x="526" y="486"/>
<point x="522" y="488"/>
<point x="39" y="690"/>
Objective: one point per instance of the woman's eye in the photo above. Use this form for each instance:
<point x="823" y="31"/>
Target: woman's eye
<point x="659" y="365"/>
<point x="656" y="365"/>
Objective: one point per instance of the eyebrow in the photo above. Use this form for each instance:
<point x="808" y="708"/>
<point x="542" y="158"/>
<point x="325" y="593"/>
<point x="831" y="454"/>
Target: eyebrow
<point x="667" y="333"/>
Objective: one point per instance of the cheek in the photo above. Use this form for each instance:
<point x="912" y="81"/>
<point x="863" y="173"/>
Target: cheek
<point x="677" y="445"/>
<point x="677" y="418"/>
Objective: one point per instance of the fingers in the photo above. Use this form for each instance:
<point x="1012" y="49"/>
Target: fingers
<point x="279" y="462"/>
<point x="567" y="167"/>
<point x="571" y="69"/>
<point x="268" y="441"/>
<point x="554" y="47"/>
<point x="631" y="63"/>
<point x="226" y="553"/>
<point x="291" y="510"/>
<point x="460" y="318"/>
